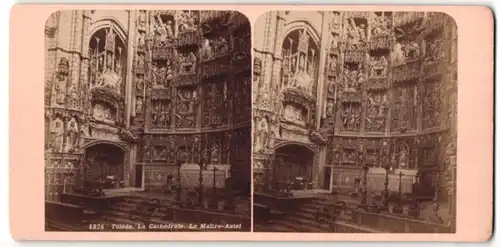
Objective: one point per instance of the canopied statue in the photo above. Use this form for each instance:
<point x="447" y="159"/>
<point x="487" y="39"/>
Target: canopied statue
<point x="381" y="25"/>
<point x="187" y="21"/>
<point x="404" y="152"/>
<point x="261" y="135"/>
<point x="356" y="34"/>
<point x="300" y="61"/>
<point x="164" y="30"/>
<point x="107" y="60"/>
<point x="57" y="134"/>
<point x="72" y="134"/>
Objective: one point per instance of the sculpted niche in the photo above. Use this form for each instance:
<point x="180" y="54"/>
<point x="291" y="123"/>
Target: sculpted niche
<point x="298" y="77"/>
<point x="107" y="75"/>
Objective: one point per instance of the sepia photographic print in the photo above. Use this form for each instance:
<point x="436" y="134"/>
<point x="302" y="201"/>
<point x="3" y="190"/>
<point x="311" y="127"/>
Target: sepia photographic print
<point x="147" y="120"/>
<point x="354" y="122"/>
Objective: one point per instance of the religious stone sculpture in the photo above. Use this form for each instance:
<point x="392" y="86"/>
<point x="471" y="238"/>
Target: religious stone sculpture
<point x="71" y="134"/>
<point x="187" y="21"/>
<point x="356" y="35"/>
<point x="262" y="135"/>
<point x="56" y="133"/>
<point x="380" y="25"/>
<point x="378" y="66"/>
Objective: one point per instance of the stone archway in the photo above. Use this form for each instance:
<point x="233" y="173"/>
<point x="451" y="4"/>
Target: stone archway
<point x="292" y="163"/>
<point x="104" y="159"/>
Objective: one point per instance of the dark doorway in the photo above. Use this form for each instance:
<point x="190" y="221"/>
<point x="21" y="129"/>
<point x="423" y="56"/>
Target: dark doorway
<point x="293" y="163"/>
<point x="138" y="176"/>
<point x="327" y="177"/>
<point x="104" y="160"/>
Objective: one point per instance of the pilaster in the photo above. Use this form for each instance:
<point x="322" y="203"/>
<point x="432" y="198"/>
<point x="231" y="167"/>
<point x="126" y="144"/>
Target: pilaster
<point x="129" y="96"/>
<point x="324" y="46"/>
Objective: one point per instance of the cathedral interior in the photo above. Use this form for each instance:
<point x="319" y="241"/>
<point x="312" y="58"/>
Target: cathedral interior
<point x="354" y="122"/>
<point x="147" y="118"/>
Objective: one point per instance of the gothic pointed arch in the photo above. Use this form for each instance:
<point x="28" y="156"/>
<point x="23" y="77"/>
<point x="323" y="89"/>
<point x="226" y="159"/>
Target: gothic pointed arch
<point x="108" y="22"/>
<point x="299" y="73"/>
<point x="107" y="72"/>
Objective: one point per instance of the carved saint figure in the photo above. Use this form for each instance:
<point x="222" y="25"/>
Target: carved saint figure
<point x="336" y="23"/>
<point x="356" y="35"/>
<point x="161" y="74"/>
<point x="141" y="42"/>
<point x="335" y="42"/>
<point x="354" y="119"/>
<point x="380" y="25"/>
<point x="72" y="134"/>
<point x="164" y="30"/>
<point x="329" y="109"/>
<point x="265" y="97"/>
<point x="109" y="61"/>
<point x="361" y="77"/>
<point x="187" y="21"/>
<point x="57" y="132"/>
<point x="187" y="63"/>
<point x="154" y="75"/>
<point x="403" y="159"/>
<point x="142" y="18"/>
<point x="140" y="62"/>
<point x="378" y="66"/>
<point x="413" y="50"/>
<point x="350" y="118"/>
<point x="161" y="118"/>
<point x="221" y="45"/>
<point x="138" y="106"/>
<point x="207" y="51"/>
<point x="331" y="86"/>
<point x="332" y="64"/>
<point x="59" y="91"/>
<point x="167" y="73"/>
<point x="398" y="56"/>
<point x="139" y="84"/>
<point x="214" y="153"/>
<point x="262" y="135"/>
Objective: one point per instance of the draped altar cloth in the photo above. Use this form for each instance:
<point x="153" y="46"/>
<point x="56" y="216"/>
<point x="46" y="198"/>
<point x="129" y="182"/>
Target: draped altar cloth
<point x="190" y="174"/>
<point x="376" y="179"/>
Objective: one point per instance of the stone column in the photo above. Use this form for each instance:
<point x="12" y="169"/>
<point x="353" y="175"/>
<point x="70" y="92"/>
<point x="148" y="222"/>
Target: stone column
<point x="276" y="59"/>
<point x="129" y="96"/>
<point x="84" y="65"/>
<point x="320" y="158"/>
<point x="323" y="50"/>
<point x="129" y="180"/>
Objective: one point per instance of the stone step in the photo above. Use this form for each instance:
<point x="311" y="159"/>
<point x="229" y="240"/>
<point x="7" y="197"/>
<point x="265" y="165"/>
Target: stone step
<point x="309" y="222"/>
<point x="123" y="206"/>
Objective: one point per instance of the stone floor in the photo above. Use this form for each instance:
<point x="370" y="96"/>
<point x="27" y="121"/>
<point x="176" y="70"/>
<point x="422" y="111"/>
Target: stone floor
<point x="304" y="220"/>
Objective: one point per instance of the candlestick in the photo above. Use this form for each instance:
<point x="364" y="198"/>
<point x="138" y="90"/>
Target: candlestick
<point x="178" y="189"/>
